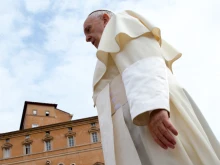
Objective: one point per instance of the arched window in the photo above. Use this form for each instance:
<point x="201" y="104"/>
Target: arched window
<point x="70" y="137"/>
<point x="93" y="131"/>
<point x="48" y="141"/>
<point x="7" y="149"/>
<point x="27" y="145"/>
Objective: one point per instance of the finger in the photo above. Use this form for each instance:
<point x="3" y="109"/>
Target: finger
<point x="165" y="132"/>
<point x="158" y="141"/>
<point x="163" y="139"/>
<point x="170" y="127"/>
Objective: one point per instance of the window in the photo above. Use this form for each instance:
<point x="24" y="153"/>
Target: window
<point x="34" y="125"/>
<point x="27" y="149"/>
<point x="61" y="164"/>
<point x="34" y="112"/>
<point x="6" y="153"/>
<point x="71" y="141"/>
<point x="47" y="113"/>
<point x="94" y="137"/>
<point x="7" y="140"/>
<point x="47" y="132"/>
<point x="48" y="162"/>
<point x="48" y="145"/>
<point x="70" y="128"/>
<point x="27" y="136"/>
<point x="93" y="124"/>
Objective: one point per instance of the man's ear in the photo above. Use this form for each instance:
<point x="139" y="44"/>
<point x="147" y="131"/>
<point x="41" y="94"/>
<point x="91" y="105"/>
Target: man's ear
<point x="105" y="18"/>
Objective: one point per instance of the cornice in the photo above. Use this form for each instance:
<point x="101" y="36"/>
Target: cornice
<point x="47" y="138"/>
<point x="70" y="134"/>
<point x="27" y="142"/>
<point x="7" y="145"/>
<point x="93" y="129"/>
<point x="72" y="123"/>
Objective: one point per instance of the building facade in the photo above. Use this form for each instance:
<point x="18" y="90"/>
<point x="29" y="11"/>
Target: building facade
<point x="48" y="136"/>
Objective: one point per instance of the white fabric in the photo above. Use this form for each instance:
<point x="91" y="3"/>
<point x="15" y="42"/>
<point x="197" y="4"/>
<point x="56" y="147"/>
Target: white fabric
<point x="120" y="30"/>
<point x="106" y="127"/>
<point x="193" y="146"/>
<point x="146" y="86"/>
<point x="127" y="44"/>
<point x="122" y="150"/>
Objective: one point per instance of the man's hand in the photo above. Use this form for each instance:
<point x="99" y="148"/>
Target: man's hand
<point x="162" y="129"/>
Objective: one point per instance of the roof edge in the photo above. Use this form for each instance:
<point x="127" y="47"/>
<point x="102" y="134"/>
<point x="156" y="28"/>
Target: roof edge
<point x="87" y="119"/>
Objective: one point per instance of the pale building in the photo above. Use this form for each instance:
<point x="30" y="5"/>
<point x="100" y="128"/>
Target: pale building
<point x="48" y="136"/>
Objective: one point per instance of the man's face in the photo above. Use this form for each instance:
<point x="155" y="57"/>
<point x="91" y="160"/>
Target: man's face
<point x="93" y="29"/>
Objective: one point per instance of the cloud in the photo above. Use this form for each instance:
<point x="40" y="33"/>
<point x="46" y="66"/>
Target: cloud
<point x="62" y="32"/>
<point x="35" y="6"/>
<point x="64" y="6"/>
<point x="44" y="56"/>
<point x="25" y="32"/>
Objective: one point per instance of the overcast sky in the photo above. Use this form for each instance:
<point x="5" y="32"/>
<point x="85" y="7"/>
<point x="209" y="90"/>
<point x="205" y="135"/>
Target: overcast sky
<point x="44" y="56"/>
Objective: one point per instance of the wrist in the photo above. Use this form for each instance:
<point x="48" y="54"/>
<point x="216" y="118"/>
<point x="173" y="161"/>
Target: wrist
<point x="153" y="112"/>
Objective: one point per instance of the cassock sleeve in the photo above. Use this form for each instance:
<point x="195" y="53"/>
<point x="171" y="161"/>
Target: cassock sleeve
<point x="145" y="81"/>
<point x="142" y="58"/>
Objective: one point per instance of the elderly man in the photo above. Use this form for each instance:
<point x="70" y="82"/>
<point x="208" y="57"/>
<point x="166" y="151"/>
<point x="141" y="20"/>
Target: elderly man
<point x="145" y="117"/>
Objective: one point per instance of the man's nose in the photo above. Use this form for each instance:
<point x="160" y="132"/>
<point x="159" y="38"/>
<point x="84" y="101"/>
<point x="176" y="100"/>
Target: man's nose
<point x="88" y="38"/>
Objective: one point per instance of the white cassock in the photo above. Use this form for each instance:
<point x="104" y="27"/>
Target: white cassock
<point x="134" y="76"/>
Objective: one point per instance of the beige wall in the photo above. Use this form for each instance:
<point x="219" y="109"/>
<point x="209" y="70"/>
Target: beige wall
<point x="83" y="153"/>
<point x="56" y="116"/>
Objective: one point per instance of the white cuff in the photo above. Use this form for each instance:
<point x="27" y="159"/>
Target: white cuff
<point x="146" y="88"/>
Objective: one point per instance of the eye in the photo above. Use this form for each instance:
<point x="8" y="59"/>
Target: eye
<point x="88" y="29"/>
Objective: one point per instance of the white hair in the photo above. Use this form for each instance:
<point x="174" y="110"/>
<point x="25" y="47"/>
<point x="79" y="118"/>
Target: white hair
<point x="99" y="13"/>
